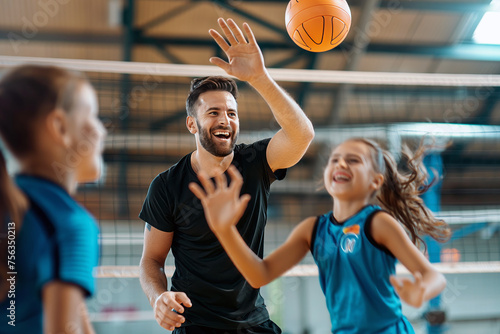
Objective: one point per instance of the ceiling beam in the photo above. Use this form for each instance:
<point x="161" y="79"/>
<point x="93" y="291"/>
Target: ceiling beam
<point x="125" y="88"/>
<point x="166" y="16"/>
<point x="466" y="51"/>
<point x="358" y="50"/>
<point x="19" y="38"/>
<point x="272" y="27"/>
<point x="429" y="6"/>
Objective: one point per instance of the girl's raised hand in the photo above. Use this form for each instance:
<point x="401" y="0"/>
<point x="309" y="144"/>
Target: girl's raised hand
<point x="410" y="291"/>
<point x="222" y="204"/>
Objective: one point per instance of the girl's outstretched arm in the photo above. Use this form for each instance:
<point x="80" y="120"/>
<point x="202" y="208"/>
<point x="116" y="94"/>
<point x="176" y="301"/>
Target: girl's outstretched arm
<point x="427" y="282"/>
<point x="224" y="207"/>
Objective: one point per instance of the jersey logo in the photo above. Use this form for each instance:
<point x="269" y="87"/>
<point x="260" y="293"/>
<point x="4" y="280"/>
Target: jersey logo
<point x="351" y="229"/>
<point x="350" y="242"/>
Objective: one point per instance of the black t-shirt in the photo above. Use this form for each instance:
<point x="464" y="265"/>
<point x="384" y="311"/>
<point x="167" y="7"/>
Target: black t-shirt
<point x="221" y="297"/>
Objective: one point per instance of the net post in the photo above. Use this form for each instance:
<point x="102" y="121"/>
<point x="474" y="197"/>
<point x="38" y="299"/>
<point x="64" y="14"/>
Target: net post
<point x="434" y="315"/>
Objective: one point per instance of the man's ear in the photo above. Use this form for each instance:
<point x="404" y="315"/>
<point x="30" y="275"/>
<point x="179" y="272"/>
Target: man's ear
<point x="191" y="124"/>
<point x="57" y="127"/>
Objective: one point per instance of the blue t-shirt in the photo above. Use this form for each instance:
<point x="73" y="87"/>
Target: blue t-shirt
<point x="354" y="276"/>
<point x="56" y="241"/>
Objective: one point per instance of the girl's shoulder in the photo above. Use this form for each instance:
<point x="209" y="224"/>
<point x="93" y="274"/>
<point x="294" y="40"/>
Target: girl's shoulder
<point x="308" y="224"/>
<point x="309" y="221"/>
<point x="385" y="228"/>
<point x="305" y="230"/>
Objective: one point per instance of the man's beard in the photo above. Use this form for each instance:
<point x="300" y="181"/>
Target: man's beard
<point x="208" y="143"/>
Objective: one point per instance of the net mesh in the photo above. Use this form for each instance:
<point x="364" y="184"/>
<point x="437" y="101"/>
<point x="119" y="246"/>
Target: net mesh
<point x="143" y="108"/>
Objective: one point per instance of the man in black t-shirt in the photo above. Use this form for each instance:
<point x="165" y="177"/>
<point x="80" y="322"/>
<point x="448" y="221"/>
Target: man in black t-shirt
<point x="208" y="294"/>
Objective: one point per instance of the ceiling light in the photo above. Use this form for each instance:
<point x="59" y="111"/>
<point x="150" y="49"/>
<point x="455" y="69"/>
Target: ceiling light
<point x="487" y="31"/>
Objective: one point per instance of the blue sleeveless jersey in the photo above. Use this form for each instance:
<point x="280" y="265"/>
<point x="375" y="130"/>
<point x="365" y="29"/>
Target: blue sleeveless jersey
<point x="354" y="276"/>
<point x="56" y="241"/>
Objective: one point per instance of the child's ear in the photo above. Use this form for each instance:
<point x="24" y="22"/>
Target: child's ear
<point x="378" y="181"/>
<point x="57" y="127"/>
<point x="191" y="124"/>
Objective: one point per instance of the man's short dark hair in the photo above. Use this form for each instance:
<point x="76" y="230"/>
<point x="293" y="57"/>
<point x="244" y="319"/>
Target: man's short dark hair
<point x="205" y="84"/>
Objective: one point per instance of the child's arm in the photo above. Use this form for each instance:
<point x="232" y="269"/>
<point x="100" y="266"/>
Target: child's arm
<point x="64" y="309"/>
<point x="428" y="282"/>
<point x="224" y="207"/>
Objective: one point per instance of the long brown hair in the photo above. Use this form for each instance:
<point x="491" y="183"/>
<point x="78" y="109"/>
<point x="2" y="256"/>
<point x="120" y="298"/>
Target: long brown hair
<point x="400" y="192"/>
<point x="27" y="95"/>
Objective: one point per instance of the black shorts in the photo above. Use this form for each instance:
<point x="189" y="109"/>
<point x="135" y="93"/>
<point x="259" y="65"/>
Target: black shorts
<point x="267" y="327"/>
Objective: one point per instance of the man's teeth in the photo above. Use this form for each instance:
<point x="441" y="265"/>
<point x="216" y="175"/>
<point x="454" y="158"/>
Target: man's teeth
<point x="221" y="133"/>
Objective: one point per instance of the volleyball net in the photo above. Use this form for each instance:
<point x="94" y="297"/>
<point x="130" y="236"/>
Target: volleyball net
<point x="143" y="107"/>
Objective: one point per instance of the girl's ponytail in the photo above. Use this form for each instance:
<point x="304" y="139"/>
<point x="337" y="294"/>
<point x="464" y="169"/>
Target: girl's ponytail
<point x="8" y="206"/>
<point x="400" y="192"/>
<point x="400" y="195"/>
<point x="12" y="205"/>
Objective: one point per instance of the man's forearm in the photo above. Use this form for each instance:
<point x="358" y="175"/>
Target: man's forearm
<point x="153" y="279"/>
<point x="286" y="111"/>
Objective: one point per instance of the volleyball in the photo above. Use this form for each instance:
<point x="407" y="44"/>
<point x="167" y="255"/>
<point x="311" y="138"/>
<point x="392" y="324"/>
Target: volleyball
<point x="317" y="25"/>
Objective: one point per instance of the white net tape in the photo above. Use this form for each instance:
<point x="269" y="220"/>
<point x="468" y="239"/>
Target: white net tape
<point x="292" y="75"/>
<point x="312" y="270"/>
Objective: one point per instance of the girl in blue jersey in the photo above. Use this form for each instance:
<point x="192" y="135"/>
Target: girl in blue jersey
<point x="356" y="245"/>
<point x="48" y="242"/>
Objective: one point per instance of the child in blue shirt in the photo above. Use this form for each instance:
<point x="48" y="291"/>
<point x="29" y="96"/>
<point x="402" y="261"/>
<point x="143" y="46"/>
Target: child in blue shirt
<point x="356" y="245"/>
<point x="49" y="122"/>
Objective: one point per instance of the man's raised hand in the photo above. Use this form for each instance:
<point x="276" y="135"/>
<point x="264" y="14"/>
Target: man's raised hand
<point x="245" y="60"/>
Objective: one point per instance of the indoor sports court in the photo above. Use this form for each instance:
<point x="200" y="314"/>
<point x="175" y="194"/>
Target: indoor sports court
<point x="408" y="71"/>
